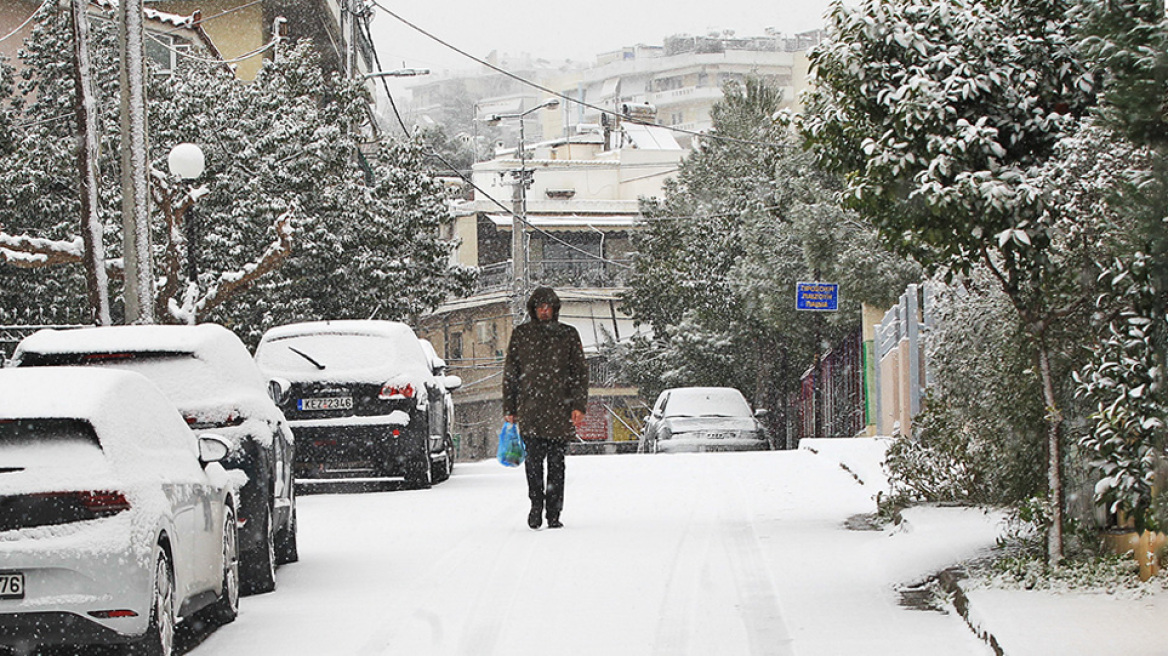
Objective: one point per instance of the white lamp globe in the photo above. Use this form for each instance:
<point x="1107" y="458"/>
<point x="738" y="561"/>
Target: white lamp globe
<point x="186" y="161"/>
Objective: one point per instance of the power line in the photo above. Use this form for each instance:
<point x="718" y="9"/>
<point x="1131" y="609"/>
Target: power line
<point x="208" y="60"/>
<point x="26" y="22"/>
<point x="219" y="15"/>
<point x="535" y="85"/>
<point x="434" y="153"/>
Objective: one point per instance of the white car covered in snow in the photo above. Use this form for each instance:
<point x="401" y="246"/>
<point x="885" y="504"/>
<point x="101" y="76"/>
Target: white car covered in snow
<point x="703" y="419"/>
<point x="115" y="522"/>
<point x="363" y="400"/>
<point x="210" y="376"/>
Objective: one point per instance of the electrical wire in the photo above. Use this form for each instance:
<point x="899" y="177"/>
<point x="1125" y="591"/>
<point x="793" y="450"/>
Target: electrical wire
<point x="434" y="153"/>
<point x="219" y="15"/>
<point x="535" y="85"/>
<point x="26" y="22"/>
<point x="207" y="60"/>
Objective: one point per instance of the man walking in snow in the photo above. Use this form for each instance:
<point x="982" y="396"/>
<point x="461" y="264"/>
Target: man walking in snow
<point x="545" y="393"/>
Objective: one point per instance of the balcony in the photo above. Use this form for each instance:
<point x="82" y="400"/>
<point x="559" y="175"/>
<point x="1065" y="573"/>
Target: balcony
<point x="556" y="273"/>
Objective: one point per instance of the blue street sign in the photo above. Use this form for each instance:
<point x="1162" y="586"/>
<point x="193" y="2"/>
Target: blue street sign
<point x="817" y="296"/>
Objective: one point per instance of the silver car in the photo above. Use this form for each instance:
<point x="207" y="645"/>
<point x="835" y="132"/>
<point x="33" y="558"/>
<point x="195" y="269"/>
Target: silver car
<point x="115" y="522"/>
<point x="703" y="419"/>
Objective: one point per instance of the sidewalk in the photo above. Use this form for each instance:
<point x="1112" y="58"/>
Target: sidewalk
<point x="1041" y="622"/>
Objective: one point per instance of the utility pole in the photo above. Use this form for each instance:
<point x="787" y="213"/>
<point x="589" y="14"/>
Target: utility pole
<point x="523" y="178"/>
<point x="96" y="279"/>
<point x="139" y="291"/>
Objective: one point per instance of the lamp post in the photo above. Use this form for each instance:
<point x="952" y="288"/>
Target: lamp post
<point x="186" y="161"/>
<point x="519" y="211"/>
<point x="400" y="72"/>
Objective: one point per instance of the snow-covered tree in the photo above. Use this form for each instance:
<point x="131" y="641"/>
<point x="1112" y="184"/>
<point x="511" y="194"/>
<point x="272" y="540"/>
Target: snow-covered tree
<point x="1128" y="40"/>
<point x="941" y="113"/>
<point x="718" y="258"/>
<point x="295" y="208"/>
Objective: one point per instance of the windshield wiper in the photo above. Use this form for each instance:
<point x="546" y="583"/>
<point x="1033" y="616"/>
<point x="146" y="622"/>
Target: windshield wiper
<point x="306" y="357"/>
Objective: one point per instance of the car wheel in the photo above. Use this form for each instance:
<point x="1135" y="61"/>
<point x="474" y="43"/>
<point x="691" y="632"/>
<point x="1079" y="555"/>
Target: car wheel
<point x="159" y="638"/>
<point x="259" y="565"/>
<point x="227" y="608"/>
<point x="421" y="475"/>
<point x="443" y="469"/>
<point x="286" y="550"/>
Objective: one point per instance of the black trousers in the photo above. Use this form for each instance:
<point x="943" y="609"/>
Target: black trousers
<point x="551" y="497"/>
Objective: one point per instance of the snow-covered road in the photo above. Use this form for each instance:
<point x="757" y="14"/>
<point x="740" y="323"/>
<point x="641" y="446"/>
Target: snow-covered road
<point x="736" y="553"/>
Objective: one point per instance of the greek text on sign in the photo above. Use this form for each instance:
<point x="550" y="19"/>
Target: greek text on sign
<point x="820" y="296"/>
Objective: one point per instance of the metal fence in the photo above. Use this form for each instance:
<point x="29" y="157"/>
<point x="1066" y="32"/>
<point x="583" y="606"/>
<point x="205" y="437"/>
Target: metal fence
<point x="830" y="400"/>
<point x="901" y="376"/>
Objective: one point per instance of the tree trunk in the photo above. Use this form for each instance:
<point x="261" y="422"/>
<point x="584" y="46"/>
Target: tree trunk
<point x="96" y="279"/>
<point x="1054" y="467"/>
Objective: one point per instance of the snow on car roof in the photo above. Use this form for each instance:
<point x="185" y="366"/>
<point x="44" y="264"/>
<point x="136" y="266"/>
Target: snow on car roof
<point x="120" y="405"/>
<point x="328" y="351"/>
<point x="230" y="377"/>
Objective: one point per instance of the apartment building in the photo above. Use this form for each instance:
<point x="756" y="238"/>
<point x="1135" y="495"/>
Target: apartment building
<point x="581" y="209"/>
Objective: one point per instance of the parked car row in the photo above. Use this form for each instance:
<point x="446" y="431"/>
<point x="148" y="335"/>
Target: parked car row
<point x="147" y="473"/>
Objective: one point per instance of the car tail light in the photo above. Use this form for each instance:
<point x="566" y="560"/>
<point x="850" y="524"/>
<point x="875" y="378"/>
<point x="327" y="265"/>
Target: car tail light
<point x="109" y="614"/>
<point x="104" y="503"/>
<point x="396" y="392"/>
<point x="198" y="423"/>
<point x="53" y="508"/>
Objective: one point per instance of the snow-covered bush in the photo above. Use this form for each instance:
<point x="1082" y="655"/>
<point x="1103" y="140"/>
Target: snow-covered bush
<point x="1123" y="382"/>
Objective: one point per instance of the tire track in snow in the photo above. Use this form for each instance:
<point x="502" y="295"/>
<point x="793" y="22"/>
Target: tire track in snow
<point x="720" y="585"/>
<point x="482" y="636"/>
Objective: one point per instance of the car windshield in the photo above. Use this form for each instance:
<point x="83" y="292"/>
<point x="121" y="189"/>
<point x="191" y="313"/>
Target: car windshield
<point x="706" y="403"/>
<point x="47" y="443"/>
<point x="332" y="352"/>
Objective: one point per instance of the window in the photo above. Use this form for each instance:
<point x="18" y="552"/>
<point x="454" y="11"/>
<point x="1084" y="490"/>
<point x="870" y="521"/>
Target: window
<point x="454" y="347"/>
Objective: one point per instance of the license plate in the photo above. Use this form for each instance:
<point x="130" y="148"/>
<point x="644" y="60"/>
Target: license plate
<point x="11" y="585"/>
<point x="719" y="436"/>
<point x="326" y="403"/>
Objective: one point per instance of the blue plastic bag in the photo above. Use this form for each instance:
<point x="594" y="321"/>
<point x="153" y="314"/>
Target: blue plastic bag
<point x="511" y="449"/>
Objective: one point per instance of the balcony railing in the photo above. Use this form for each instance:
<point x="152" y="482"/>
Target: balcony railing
<point x="556" y="273"/>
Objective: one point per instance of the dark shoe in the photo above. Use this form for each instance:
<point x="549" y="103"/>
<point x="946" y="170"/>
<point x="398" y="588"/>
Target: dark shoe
<point x="555" y="523"/>
<point x="534" y="519"/>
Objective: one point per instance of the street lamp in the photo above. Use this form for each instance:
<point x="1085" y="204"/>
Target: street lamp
<point x="400" y="72"/>
<point x="186" y="161"/>
<point x="519" y="210"/>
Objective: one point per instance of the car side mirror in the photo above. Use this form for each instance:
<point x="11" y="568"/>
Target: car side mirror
<point x="212" y="448"/>
<point x="452" y="382"/>
<point x="278" y="389"/>
<point x="761" y="412"/>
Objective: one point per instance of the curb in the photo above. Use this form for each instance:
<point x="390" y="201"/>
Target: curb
<point x="950" y="582"/>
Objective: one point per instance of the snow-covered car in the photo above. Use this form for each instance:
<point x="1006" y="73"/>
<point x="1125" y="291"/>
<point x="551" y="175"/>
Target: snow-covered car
<point x="362" y="399"/>
<point x="703" y="419"/>
<point x="116" y="523"/>
<point x="208" y="373"/>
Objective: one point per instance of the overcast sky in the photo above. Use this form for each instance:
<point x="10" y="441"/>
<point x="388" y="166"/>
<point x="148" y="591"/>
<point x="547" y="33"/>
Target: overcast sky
<point x="557" y="30"/>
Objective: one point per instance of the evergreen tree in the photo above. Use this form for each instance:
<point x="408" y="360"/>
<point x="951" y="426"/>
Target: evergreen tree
<point x="293" y="198"/>
<point x="718" y="258"/>
<point x="941" y="113"/>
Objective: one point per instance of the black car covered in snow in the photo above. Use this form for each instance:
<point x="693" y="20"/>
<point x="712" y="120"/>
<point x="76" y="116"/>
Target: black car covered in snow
<point x="362" y="399"/>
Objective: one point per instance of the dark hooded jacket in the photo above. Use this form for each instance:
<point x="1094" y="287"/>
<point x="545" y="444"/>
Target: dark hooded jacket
<point x="545" y="376"/>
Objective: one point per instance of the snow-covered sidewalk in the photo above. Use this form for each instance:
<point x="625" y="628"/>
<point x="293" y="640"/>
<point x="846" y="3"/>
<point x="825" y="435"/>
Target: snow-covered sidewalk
<point x="703" y="554"/>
